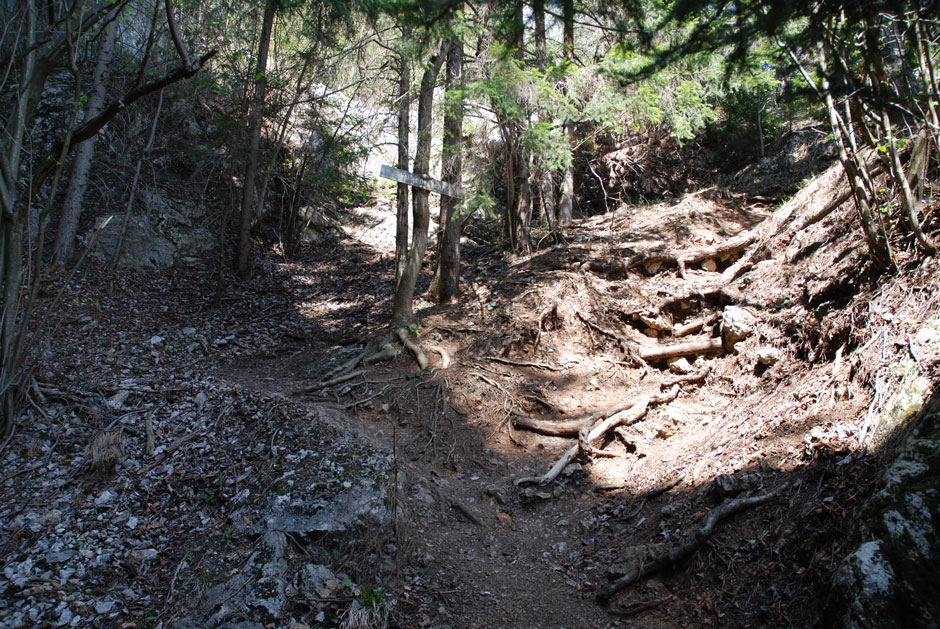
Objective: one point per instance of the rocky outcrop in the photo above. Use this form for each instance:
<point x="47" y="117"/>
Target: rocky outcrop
<point x="159" y="234"/>
<point x="892" y="578"/>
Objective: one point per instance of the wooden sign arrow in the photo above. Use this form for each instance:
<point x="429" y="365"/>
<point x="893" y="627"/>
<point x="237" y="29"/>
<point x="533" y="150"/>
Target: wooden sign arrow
<point x="434" y="185"/>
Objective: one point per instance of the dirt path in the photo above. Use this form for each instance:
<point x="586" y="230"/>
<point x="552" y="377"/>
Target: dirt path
<point x="476" y="551"/>
<point x="115" y="536"/>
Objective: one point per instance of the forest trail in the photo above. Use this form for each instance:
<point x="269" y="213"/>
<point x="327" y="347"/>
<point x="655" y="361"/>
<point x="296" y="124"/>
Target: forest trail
<point x="215" y="418"/>
<point x="474" y="550"/>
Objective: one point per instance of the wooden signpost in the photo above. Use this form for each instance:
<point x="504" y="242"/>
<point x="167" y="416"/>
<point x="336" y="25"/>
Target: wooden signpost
<point x="434" y="185"/>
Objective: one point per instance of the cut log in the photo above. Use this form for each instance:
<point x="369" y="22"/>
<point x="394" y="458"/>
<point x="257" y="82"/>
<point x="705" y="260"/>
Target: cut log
<point x="692" y="348"/>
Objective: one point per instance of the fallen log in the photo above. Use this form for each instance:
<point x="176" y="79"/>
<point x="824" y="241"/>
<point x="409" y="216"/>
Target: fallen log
<point x="621" y="267"/>
<point x="692" y="348"/>
<point x="681" y="552"/>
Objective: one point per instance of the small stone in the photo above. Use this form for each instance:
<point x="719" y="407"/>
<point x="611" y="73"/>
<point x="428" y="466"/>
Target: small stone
<point x="679" y="365"/>
<point x="736" y="325"/>
<point x="189" y="331"/>
<point x="104" y="498"/>
<point x="769" y="356"/>
<point x="709" y="265"/>
<point x="132" y="522"/>
<point x="156" y="340"/>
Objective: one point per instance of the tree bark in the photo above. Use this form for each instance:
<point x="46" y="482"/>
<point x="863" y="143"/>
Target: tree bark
<point x="402" y="312"/>
<point x="72" y="208"/>
<point x="254" y="140"/>
<point x="404" y="129"/>
<point x="445" y="284"/>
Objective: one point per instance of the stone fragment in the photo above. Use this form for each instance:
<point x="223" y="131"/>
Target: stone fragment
<point x="679" y="365"/>
<point x="736" y="325"/>
<point x="769" y="356"/>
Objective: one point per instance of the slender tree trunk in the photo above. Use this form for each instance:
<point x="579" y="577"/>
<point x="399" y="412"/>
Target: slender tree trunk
<point x="538" y="16"/>
<point x="445" y="284"/>
<point x="566" y="202"/>
<point x="567" y="16"/>
<point x="254" y="140"/>
<point x="72" y="209"/>
<point x="402" y="309"/>
<point x="404" y="130"/>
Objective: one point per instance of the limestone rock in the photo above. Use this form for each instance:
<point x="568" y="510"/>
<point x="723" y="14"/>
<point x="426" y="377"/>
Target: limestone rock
<point x="768" y="356"/>
<point x="736" y="325"/>
<point x="890" y="579"/>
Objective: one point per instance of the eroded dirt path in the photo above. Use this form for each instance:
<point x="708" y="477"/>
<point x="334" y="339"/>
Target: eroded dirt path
<point x="240" y="424"/>
<point x="537" y="337"/>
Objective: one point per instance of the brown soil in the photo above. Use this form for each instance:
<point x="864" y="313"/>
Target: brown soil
<point x="534" y="337"/>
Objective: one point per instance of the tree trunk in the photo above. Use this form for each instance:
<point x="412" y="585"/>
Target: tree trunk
<point x="566" y="202"/>
<point x="254" y="140"/>
<point x="567" y="12"/>
<point x="444" y="285"/>
<point x="402" y="312"/>
<point x="538" y="15"/>
<point x="72" y="208"/>
<point x="522" y="204"/>
<point x="404" y="129"/>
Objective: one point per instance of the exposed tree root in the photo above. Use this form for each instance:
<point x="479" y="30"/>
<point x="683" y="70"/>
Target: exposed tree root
<point x="347" y="366"/>
<point x="696" y="376"/>
<point x="646" y="564"/>
<point x="506" y="361"/>
<point x="588" y="435"/>
<point x="386" y="351"/>
<point x="445" y="357"/>
<point x="573" y="427"/>
<point x="402" y="334"/>
<point x="344" y="377"/>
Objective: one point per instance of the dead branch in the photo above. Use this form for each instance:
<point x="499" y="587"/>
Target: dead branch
<point x="514" y="363"/>
<point x="692" y="348"/>
<point x="694" y="326"/>
<point x="624" y="343"/>
<point x="683" y="551"/>
<point x="467" y="513"/>
<point x="411" y="345"/>
<point x="148" y="426"/>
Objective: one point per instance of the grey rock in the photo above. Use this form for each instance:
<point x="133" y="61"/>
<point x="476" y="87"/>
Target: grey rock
<point x="736" y="325"/>
<point x="890" y="579"/>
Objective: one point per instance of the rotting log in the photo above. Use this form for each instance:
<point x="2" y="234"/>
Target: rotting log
<point x="692" y="348"/>
<point x="622" y="267"/>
